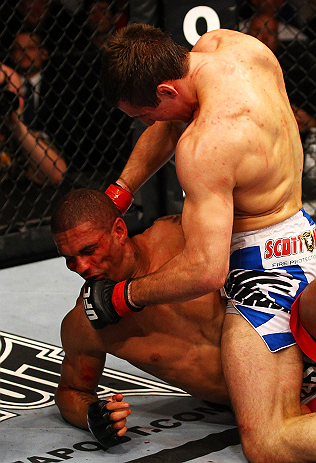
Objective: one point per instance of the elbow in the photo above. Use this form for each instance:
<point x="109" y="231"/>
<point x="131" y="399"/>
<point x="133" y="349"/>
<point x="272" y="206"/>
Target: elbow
<point x="208" y="276"/>
<point x="216" y="282"/>
<point x="212" y="280"/>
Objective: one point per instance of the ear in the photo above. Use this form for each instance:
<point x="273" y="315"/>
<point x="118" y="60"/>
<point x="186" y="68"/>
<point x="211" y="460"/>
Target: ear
<point x="119" y="230"/>
<point x="167" y="90"/>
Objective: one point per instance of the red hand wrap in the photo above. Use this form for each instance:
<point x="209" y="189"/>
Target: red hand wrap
<point x="119" y="301"/>
<point x="120" y="197"/>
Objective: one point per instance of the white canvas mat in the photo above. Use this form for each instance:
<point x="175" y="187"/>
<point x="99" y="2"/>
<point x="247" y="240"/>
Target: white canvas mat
<point x="166" y="424"/>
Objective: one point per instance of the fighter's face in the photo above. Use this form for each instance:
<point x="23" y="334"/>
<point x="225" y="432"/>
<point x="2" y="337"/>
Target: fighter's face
<point x="90" y="252"/>
<point x="27" y="53"/>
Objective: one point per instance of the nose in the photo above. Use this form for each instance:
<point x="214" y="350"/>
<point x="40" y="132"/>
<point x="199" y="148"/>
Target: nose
<point x="81" y="265"/>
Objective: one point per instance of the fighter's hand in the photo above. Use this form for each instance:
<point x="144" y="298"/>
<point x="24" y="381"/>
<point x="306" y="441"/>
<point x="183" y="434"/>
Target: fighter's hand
<point x="106" y="302"/>
<point x="107" y="420"/>
<point x="121" y="197"/>
<point x="10" y="80"/>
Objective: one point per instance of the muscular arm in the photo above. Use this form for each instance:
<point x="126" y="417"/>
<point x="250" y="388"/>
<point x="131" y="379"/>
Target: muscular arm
<point x="153" y="149"/>
<point x="81" y="371"/>
<point x="207" y="220"/>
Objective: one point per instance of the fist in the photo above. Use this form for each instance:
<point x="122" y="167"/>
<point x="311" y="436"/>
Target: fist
<point x="106" y="420"/>
<point x="97" y="303"/>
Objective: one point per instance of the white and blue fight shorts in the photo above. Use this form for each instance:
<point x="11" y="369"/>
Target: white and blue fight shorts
<point x="269" y="268"/>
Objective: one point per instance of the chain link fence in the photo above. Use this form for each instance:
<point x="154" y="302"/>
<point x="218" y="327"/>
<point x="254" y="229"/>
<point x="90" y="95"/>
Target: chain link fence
<point x="56" y="134"/>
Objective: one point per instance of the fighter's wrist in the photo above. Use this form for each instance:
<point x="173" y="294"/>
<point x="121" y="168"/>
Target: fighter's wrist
<point x="124" y="185"/>
<point x="122" y="301"/>
<point x="129" y="296"/>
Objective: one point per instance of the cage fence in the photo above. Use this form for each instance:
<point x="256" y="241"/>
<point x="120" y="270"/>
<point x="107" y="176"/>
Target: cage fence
<point x="56" y="133"/>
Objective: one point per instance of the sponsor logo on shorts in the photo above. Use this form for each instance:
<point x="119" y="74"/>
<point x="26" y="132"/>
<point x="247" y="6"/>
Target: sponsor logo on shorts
<point x="290" y="246"/>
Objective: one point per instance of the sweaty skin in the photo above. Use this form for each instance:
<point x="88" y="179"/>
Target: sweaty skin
<point x="239" y="157"/>
<point x="178" y="343"/>
<point x="239" y="162"/>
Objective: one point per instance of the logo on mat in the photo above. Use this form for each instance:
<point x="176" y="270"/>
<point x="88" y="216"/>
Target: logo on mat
<point x="29" y="372"/>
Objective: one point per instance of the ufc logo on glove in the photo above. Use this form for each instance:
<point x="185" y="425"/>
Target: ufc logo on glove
<point x="90" y="313"/>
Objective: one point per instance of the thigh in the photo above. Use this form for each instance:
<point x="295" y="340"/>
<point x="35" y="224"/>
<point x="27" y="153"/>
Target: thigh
<point x="264" y="387"/>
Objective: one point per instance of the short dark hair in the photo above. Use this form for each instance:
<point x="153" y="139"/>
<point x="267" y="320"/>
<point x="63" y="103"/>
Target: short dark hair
<point x="84" y="205"/>
<point x="136" y="60"/>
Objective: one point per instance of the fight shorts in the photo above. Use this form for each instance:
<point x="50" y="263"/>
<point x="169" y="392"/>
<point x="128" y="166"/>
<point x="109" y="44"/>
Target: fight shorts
<point x="269" y="268"/>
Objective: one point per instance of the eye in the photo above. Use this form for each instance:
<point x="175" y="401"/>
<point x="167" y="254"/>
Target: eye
<point x="88" y="252"/>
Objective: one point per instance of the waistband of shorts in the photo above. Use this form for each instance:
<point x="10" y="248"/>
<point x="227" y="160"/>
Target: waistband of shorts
<point x="278" y="227"/>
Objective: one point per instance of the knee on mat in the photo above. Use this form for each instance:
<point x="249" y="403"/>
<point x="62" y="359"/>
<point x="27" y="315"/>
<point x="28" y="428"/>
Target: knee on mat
<point x="263" y="450"/>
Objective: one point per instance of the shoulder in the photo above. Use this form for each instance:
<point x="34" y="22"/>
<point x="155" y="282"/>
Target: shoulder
<point x="238" y="47"/>
<point x="169" y="220"/>
<point x="169" y="224"/>
<point x="165" y="236"/>
<point x="210" y="41"/>
<point x="77" y="334"/>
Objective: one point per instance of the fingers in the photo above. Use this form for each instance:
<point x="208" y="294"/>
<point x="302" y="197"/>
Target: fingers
<point x="114" y="406"/>
<point x="119" y="421"/>
<point x="121" y="432"/>
<point x="116" y="397"/>
<point x="2" y="77"/>
<point x="120" y="427"/>
<point x="120" y="414"/>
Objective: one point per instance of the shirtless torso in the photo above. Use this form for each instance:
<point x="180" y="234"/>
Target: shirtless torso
<point x="181" y="347"/>
<point x="178" y="343"/>
<point x="239" y="159"/>
<point x="251" y="127"/>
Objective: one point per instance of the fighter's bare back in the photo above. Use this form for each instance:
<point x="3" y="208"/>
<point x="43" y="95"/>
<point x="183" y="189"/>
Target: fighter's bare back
<point x="253" y="139"/>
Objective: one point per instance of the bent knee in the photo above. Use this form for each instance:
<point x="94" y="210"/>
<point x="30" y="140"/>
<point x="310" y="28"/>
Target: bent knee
<point x="265" y="449"/>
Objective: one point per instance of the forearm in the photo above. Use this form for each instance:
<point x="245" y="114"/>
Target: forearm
<point x="153" y="149"/>
<point x="44" y="162"/>
<point x="73" y="405"/>
<point x="202" y="266"/>
<point x="175" y="282"/>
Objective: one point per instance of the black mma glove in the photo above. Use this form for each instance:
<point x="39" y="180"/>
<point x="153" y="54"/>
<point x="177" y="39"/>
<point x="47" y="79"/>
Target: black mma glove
<point x="106" y="302"/>
<point x="101" y="425"/>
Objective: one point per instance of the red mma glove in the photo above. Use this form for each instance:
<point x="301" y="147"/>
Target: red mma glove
<point x="121" y="197"/>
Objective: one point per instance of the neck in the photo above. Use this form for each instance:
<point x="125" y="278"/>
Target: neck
<point x="187" y="85"/>
<point x="140" y="257"/>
